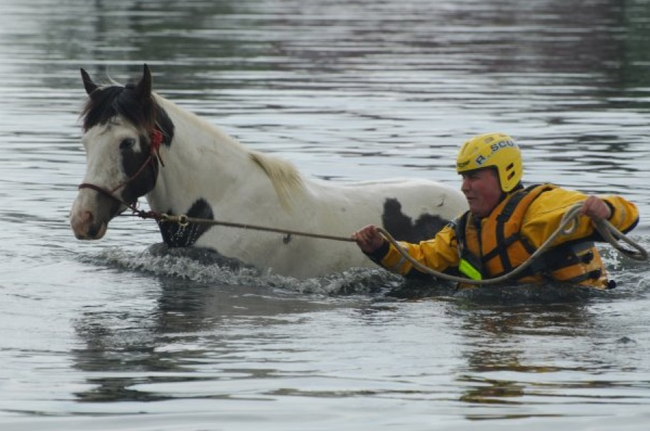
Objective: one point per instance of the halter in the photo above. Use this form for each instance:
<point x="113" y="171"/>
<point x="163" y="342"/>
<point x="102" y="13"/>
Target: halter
<point x="156" y="140"/>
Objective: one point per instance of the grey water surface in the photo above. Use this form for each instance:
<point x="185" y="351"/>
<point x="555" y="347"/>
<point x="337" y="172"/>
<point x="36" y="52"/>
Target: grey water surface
<point x="105" y="336"/>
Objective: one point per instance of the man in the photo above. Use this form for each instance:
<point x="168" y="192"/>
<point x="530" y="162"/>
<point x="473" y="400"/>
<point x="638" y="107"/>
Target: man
<point x="506" y="223"/>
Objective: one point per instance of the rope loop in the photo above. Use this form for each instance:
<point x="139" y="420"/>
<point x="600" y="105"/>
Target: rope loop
<point x="568" y="224"/>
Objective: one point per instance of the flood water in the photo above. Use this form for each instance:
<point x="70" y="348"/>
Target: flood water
<point x="103" y="336"/>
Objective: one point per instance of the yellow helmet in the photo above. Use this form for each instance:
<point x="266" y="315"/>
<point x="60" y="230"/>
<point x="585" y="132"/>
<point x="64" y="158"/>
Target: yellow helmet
<point x="492" y="149"/>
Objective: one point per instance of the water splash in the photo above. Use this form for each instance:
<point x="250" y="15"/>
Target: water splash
<point x="209" y="267"/>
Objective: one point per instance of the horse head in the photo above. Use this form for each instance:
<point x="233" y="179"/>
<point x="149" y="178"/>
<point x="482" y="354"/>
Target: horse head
<point x="123" y="128"/>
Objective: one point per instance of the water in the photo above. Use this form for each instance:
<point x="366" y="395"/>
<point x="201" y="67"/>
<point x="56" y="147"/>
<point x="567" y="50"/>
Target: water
<point x="103" y="336"/>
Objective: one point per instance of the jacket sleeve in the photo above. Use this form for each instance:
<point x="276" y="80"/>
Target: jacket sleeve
<point x="625" y="215"/>
<point x="439" y="253"/>
<point x="545" y="215"/>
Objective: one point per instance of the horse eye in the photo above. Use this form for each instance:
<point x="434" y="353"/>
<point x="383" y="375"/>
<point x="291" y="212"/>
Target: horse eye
<point x="127" y="144"/>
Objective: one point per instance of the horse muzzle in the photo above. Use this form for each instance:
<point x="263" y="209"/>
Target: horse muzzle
<point x="85" y="226"/>
<point x="91" y="213"/>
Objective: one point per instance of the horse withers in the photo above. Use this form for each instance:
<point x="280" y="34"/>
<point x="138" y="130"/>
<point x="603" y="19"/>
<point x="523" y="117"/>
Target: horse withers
<point x="138" y="143"/>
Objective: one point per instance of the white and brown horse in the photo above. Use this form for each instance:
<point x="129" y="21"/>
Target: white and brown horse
<point x="140" y="144"/>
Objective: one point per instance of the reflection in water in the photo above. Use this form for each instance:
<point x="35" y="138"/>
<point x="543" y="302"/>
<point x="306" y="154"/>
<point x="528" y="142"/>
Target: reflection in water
<point x="497" y="347"/>
<point x="512" y="360"/>
<point x="189" y="327"/>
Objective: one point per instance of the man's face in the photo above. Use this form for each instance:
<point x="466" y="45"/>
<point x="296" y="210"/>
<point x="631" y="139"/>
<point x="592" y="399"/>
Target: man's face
<point x="482" y="191"/>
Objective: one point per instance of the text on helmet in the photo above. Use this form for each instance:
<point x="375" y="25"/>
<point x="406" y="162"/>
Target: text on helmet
<point x="493" y="149"/>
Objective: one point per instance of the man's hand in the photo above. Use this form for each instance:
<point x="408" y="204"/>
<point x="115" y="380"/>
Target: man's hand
<point x="368" y="238"/>
<point x="595" y="208"/>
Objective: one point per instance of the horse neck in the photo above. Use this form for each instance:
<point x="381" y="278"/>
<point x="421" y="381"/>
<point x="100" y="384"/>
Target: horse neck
<point x="204" y="162"/>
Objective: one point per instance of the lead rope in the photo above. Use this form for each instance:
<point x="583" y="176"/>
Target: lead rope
<point x="567" y="225"/>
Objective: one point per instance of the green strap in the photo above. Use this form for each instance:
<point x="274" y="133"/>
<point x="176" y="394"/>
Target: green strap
<point x="468" y="269"/>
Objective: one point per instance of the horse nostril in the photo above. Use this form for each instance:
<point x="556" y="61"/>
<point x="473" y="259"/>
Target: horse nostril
<point x="93" y="231"/>
<point x="81" y="223"/>
<point x="87" y="217"/>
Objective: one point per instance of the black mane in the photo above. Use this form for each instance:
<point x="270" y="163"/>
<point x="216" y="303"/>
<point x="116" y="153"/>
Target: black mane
<point x="108" y="102"/>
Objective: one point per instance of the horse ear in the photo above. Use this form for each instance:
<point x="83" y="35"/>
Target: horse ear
<point x="143" y="90"/>
<point x="89" y="85"/>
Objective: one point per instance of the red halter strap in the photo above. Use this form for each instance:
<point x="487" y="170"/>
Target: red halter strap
<point x="156" y="140"/>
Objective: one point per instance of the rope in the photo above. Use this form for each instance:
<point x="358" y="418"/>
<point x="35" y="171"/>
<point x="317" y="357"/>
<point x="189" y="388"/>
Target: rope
<point x="183" y="220"/>
<point x="567" y="225"/>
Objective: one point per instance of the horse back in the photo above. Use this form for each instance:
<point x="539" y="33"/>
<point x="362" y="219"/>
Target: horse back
<point x="410" y="209"/>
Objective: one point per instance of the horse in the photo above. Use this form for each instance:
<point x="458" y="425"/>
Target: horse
<point x="138" y="143"/>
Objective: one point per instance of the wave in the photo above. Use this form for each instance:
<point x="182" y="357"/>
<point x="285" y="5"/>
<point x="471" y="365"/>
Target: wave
<point x="209" y="267"/>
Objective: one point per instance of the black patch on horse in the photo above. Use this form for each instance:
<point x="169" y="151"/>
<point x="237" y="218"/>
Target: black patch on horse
<point x="402" y="227"/>
<point x="175" y="235"/>
<point x="132" y="162"/>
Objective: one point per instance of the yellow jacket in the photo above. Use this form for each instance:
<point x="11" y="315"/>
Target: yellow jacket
<point x="533" y="219"/>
